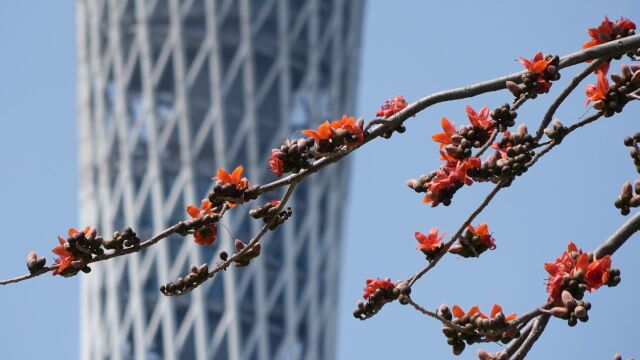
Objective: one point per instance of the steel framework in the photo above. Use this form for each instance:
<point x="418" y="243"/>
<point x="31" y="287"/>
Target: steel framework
<point x="170" y="90"/>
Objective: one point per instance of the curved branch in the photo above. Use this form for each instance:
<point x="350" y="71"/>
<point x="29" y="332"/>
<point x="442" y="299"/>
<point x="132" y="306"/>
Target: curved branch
<point x="607" y="50"/>
<point x="619" y="237"/>
<point x="539" y="324"/>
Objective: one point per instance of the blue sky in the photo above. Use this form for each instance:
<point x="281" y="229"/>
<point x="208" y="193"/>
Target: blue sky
<point x="411" y="48"/>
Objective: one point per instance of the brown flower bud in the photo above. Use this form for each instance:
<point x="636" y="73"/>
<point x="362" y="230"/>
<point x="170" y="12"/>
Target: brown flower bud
<point x="566" y="297"/>
<point x="514" y="88"/>
<point x="626" y="192"/>
<point x="580" y="312"/>
<point x="558" y="311"/>
<point x="617" y="78"/>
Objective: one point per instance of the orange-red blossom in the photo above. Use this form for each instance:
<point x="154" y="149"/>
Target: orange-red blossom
<point x="495" y="310"/>
<point x="572" y="261"/>
<point x="66" y="257"/>
<point x="207" y="235"/>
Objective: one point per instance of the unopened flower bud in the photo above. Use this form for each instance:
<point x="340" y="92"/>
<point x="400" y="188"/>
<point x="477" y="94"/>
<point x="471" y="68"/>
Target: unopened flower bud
<point x="626" y="192"/>
<point x="558" y="311"/>
<point x="514" y="88"/>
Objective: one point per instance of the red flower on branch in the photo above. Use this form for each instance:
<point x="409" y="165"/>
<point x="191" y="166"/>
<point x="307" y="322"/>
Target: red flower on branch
<point x="482" y="232"/>
<point x="608" y="30"/>
<point x="392" y="106"/>
<point x="598" y="92"/>
<point x="597" y="272"/>
<point x="275" y="163"/>
<point x="537" y="65"/>
<point x="444" y="138"/>
<point x="349" y="124"/>
<point x="578" y="266"/>
<point x="235" y="178"/>
<point x="449" y="178"/>
<point x="430" y="242"/>
<point x="459" y="313"/>
<point x="481" y="120"/>
<point x="208" y="234"/>
<point x="496" y="309"/>
<point x="373" y="285"/>
<point x="66" y="257"/>
<point x="322" y="133"/>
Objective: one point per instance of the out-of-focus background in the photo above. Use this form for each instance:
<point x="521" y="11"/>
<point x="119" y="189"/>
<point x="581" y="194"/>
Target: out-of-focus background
<point x="411" y="48"/>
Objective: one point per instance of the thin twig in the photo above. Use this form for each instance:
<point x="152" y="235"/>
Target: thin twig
<point x="435" y="315"/>
<point x="448" y="244"/>
<point x="548" y="116"/>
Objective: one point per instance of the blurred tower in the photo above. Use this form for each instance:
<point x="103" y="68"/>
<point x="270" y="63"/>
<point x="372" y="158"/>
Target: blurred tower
<point x="170" y="90"/>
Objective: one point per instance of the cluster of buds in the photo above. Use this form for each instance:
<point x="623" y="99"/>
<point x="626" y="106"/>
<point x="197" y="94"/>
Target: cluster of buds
<point x="391" y="107"/>
<point x="557" y="132"/>
<point x="377" y="293"/>
<point x="541" y="71"/>
<point x="474" y="326"/>
<point x="231" y="186"/>
<point x="197" y="276"/>
<point x="121" y="240"/>
<point x="331" y="136"/>
<point x="292" y="156"/>
<point x="270" y="215"/>
<point x="504" y="117"/>
<point x="514" y="152"/>
<point x="441" y="185"/>
<point x="627" y="199"/>
<point x="76" y="250"/>
<point x="474" y="242"/>
<point x="632" y="142"/>
<point x="35" y="263"/>
<point x="571" y="309"/>
<point x="244" y="259"/>
<point x="612" y="99"/>
<point x="576" y="272"/>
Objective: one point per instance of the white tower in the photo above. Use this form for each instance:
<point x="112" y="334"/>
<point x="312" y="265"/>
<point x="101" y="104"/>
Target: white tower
<point x="170" y="90"/>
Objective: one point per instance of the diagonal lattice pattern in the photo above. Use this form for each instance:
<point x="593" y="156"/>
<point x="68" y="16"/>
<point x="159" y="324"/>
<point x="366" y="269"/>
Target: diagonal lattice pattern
<point x="170" y="90"/>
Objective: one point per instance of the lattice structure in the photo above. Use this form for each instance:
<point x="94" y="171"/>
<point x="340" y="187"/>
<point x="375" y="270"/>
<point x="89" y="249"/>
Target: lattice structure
<point x="170" y="90"/>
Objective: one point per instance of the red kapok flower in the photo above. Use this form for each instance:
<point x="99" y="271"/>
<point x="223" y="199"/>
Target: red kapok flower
<point x="572" y="262"/>
<point x="206" y="235"/>
<point x="537" y="65"/>
<point x="392" y="106"/>
<point x="496" y="309"/>
<point x="459" y="313"/>
<point x="430" y="242"/>
<point x="349" y="124"/>
<point x="322" y="133"/>
<point x="66" y="257"/>
<point x="276" y="164"/>
<point x="449" y="178"/>
<point x="482" y="232"/>
<point x="599" y="91"/>
<point x="607" y="31"/>
<point x="480" y="120"/>
<point x="235" y="178"/>
<point x="373" y="285"/>
<point x="597" y="272"/>
<point x="444" y="138"/>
